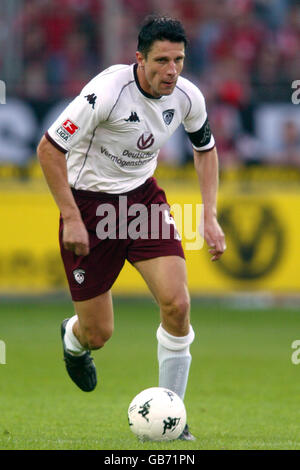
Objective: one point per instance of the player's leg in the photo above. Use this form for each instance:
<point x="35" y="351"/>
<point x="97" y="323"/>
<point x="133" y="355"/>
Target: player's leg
<point x="95" y="321"/>
<point x="167" y="280"/>
<point x="90" y="279"/>
<point x="89" y="329"/>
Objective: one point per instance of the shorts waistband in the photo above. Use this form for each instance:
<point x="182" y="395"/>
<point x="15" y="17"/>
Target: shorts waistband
<point x="111" y="196"/>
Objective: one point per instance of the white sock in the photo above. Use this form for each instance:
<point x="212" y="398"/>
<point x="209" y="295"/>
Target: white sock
<point x="174" y="360"/>
<point x="72" y="344"/>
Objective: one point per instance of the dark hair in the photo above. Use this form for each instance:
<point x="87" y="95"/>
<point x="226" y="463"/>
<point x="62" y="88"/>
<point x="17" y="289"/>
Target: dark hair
<point x="158" y="28"/>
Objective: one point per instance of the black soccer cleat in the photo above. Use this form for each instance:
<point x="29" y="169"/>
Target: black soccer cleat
<point x="186" y="435"/>
<point x="81" y="369"/>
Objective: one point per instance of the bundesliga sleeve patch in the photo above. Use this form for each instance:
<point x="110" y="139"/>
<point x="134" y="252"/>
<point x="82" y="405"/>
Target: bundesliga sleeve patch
<point x="67" y="130"/>
<point x="202" y="137"/>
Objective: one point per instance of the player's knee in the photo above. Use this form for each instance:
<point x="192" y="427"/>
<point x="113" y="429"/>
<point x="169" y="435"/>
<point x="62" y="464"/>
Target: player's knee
<point x="177" y="306"/>
<point x="97" y="339"/>
<point x="176" y="311"/>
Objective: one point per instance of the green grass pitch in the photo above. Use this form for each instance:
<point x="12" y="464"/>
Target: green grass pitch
<point x="243" y="391"/>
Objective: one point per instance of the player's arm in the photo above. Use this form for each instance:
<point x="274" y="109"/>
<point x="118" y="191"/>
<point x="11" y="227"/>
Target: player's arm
<point x="206" y="163"/>
<point x="207" y="168"/>
<point x="53" y="163"/>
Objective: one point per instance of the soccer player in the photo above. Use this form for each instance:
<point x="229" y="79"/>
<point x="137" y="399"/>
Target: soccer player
<point x="101" y="152"/>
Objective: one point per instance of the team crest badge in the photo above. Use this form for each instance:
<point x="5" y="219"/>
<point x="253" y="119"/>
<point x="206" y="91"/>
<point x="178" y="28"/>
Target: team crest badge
<point x="79" y="275"/>
<point x="168" y="116"/>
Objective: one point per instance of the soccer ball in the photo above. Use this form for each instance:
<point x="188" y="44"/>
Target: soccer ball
<point x="157" y="414"/>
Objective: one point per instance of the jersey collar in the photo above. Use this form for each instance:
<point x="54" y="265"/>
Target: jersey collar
<point x="135" y="66"/>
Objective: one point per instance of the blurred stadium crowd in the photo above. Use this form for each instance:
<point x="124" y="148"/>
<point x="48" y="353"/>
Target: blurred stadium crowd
<point x="243" y="54"/>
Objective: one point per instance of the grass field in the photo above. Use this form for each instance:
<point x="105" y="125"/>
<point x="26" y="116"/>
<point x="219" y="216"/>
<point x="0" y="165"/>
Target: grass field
<point x="243" y="391"/>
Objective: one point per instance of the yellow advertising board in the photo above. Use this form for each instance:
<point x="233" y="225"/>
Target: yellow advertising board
<point x="29" y="254"/>
<point x="262" y="233"/>
<point x="261" y="230"/>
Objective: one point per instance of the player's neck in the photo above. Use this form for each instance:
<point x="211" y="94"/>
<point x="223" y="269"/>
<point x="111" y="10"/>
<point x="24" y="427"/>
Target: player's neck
<point x="142" y="83"/>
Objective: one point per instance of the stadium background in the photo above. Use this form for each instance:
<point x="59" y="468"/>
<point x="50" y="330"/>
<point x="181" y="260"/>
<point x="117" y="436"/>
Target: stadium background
<point x="244" y="55"/>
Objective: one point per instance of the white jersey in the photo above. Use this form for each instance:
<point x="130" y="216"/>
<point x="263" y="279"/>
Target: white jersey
<point x="112" y="132"/>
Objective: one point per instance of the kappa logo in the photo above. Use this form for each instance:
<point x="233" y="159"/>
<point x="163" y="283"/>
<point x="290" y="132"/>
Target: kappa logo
<point x="168" y="116"/>
<point x="171" y="424"/>
<point x="145" y="409"/>
<point x="91" y="99"/>
<point x="133" y="117"/>
<point x="170" y="394"/>
<point x="79" y="275"/>
<point x="145" y="141"/>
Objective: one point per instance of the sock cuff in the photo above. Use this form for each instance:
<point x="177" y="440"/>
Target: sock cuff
<point x="71" y="342"/>
<point x="70" y="323"/>
<point x="174" y="343"/>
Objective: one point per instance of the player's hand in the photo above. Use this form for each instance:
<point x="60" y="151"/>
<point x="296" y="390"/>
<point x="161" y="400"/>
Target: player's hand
<point x="75" y="237"/>
<point x="214" y="237"/>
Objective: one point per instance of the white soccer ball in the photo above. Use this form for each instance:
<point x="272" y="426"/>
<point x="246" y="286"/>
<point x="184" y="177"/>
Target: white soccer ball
<point x="157" y="414"/>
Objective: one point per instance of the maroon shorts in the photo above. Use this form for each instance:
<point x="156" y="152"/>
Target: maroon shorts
<point x="136" y="226"/>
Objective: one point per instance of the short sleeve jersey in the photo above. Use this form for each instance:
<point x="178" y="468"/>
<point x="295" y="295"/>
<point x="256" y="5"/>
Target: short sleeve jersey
<point x="112" y="132"/>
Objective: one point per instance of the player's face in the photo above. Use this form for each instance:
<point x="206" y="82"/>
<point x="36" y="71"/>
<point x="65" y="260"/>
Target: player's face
<point x="158" y="73"/>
